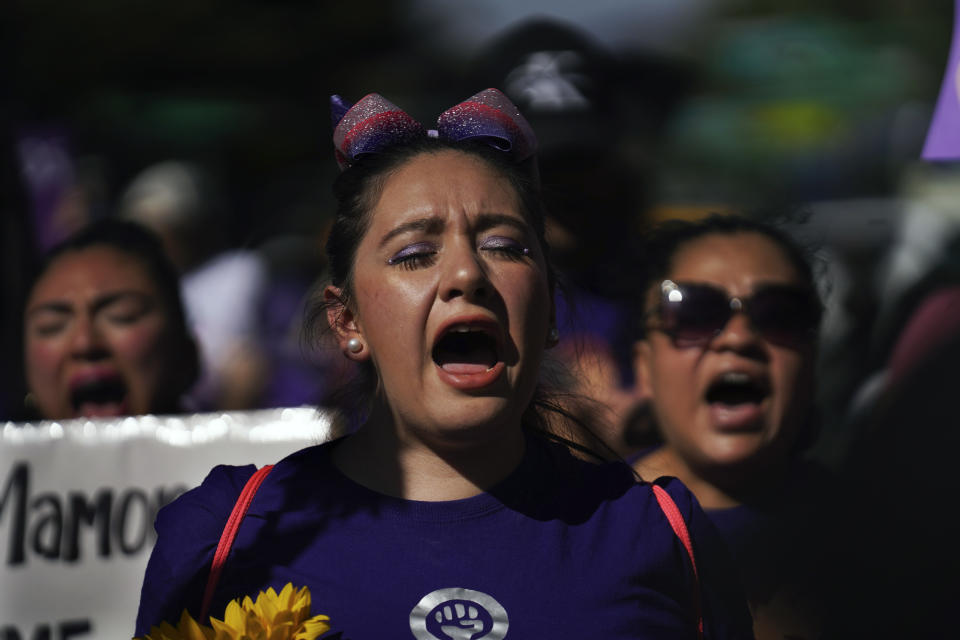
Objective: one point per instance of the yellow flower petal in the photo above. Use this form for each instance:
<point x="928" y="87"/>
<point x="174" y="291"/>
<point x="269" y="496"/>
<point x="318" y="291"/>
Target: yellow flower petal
<point x="283" y="632"/>
<point x="234" y="617"/>
<point x="272" y="616"/>
<point x="284" y="597"/>
<point x="186" y="629"/>
<point x="256" y="627"/>
<point x="284" y="617"/>
<point x="164" y="632"/>
<point x="301" y="604"/>
<point x="268" y="604"/>
<point x="223" y="630"/>
<point x="310" y="629"/>
<point x="190" y="630"/>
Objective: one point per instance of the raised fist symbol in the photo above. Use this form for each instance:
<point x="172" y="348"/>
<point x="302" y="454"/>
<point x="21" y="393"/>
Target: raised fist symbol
<point x="458" y="614"/>
<point x="461" y="621"/>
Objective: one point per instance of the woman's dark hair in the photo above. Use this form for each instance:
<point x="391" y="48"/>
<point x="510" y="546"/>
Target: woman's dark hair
<point x="137" y="242"/>
<point x="659" y="247"/>
<point x="357" y="189"/>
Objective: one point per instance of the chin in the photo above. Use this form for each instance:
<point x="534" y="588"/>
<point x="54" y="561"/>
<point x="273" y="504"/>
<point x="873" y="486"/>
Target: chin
<point x="478" y="416"/>
<point x="743" y="451"/>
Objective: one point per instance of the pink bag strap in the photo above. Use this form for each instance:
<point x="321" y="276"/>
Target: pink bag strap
<point x="229" y="533"/>
<point x="675" y="518"/>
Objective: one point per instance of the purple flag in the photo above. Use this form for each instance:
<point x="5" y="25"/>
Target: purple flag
<point x="943" y="138"/>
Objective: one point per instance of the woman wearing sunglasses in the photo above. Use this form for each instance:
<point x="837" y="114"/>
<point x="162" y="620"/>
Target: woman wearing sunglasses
<point x="728" y="317"/>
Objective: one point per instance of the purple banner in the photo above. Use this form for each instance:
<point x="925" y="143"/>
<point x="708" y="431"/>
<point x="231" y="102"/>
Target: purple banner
<point x="943" y="138"/>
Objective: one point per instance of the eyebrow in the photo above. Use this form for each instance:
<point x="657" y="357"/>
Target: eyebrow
<point x="65" y="307"/>
<point x="431" y="224"/>
<point x="489" y="220"/>
<point x="54" y="306"/>
<point x="435" y="224"/>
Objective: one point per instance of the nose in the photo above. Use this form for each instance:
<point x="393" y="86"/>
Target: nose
<point x="738" y="335"/>
<point x="86" y="340"/>
<point x="463" y="274"/>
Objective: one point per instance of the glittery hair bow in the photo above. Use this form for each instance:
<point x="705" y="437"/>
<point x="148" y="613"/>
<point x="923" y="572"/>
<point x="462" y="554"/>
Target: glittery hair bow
<point x="374" y="123"/>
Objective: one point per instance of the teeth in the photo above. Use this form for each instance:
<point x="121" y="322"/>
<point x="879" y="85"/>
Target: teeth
<point x="465" y="328"/>
<point x="735" y="377"/>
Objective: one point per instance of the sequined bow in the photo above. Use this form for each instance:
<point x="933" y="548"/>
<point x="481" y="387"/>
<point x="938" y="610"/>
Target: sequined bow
<point x="375" y="123"/>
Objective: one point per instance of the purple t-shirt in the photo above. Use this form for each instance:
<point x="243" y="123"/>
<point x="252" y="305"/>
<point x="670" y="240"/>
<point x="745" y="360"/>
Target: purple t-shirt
<point x="560" y="549"/>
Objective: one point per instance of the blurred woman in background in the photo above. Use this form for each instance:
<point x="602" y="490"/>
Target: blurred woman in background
<point x="728" y="317"/>
<point x="104" y="329"/>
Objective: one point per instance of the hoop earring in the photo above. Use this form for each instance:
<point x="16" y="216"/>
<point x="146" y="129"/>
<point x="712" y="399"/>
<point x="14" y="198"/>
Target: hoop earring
<point x="354" y="345"/>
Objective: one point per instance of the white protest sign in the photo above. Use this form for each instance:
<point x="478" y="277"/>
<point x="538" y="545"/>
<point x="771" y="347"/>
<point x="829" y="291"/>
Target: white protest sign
<point x="78" y="499"/>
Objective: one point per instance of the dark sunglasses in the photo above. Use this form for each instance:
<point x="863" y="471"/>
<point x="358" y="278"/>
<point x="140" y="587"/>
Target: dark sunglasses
<point x="693" y="314"/>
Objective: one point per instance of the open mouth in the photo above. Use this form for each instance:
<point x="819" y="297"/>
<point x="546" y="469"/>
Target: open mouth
<point x="465" y="349"/>
<point x="735" y="388"/>
<point x="99" y="396"/>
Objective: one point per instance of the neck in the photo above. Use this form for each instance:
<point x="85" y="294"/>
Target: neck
<point x="397" y="462"/>
<point x="713" y="489"/>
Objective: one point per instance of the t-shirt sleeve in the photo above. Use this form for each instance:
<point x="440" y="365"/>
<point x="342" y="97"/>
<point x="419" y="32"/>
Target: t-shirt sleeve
<point x="188" y="531"/>
<point x="723" y="599"/>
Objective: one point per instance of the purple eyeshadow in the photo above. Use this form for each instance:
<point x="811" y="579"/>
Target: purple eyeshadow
<point x="417" y="249"/>
<point x="503" y="242"/>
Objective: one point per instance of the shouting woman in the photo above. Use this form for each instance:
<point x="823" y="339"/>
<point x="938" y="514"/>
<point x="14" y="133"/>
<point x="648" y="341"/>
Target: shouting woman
<point x="455" y="509"/>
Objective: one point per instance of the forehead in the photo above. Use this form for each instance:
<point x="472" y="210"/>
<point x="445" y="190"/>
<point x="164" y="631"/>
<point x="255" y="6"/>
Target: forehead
<point x="443" y="182"/>
<point x="88" y="272"/>
<point x="736" y="261"/>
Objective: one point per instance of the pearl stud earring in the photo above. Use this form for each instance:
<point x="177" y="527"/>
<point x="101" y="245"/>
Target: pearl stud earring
<point x="354" y="345"/>
<point x="553" y="336"/>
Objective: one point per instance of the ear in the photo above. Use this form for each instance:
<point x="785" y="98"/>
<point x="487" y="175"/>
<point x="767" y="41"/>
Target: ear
<point x="345" y="325"/>
<point x="641" y="368"/>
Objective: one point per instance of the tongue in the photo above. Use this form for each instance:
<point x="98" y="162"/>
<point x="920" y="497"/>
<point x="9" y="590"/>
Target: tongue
<point x="100" y="409"/>
<point x="463" y="367"/>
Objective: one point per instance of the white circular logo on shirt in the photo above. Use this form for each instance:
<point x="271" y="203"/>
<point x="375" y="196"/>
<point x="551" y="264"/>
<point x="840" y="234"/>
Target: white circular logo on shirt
<point x="458" y="614"/>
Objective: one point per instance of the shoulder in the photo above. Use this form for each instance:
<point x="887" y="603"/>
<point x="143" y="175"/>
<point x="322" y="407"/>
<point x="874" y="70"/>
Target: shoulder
<point x="669" y="492"/>
<point x="188" y="531"/>
<point x="660" y="527"/>
<point x="666" y="506"/>
<point x="612" y="487"/>
<point x="204" y="510"/>
<point x="709" y="566"/>
<point x="189" y="528"/>
<point x="213" y="499"/>
<point x="217" y="494"/>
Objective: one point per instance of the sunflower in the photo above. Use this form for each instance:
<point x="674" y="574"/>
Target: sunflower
<point x="273" y="616"/>
<point x="187" y="629"/>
